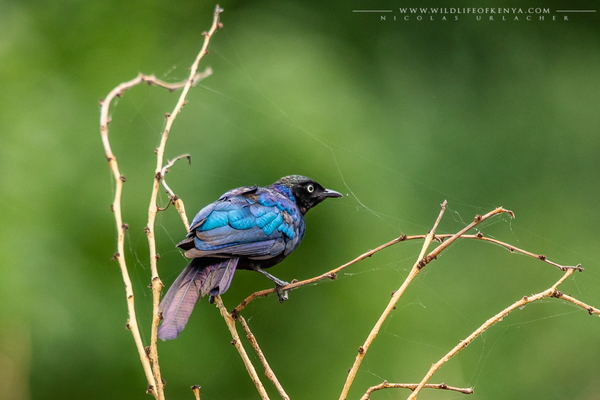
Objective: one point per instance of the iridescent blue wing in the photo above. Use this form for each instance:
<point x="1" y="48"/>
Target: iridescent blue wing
<point x="246" y="222"/>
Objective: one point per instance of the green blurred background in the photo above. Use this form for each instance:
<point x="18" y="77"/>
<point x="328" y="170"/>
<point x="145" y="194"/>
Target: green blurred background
<point x="399" y="115"/>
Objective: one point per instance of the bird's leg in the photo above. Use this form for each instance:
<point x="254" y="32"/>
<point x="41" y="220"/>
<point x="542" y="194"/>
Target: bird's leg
<point x="279" y="284"/>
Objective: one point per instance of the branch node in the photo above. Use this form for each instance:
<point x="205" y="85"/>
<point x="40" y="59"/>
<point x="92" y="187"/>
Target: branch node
<point x="542" y="257"/>
<point x="233" y="342"/>
<point x="115" y="257"/>
<point x="125" y="227"/>
<point x="361" y="350"/>
<point x="157" y="257"/>
<point x="150" y="389"/>
<point x="122" y="178"/>
<point x="478" y="218"/>
<point x="557" y="293"/>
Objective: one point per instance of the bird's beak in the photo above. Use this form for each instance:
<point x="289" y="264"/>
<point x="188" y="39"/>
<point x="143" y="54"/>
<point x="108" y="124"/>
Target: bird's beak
<point x="331" y="193"/>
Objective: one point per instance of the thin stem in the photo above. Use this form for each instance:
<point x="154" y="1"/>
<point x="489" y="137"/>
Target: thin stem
<point x="157" y="284"/>
<point x="149" y="359"/>
<point x="196" y="390"/>
<point x="268" y="371"/>
<point x="413" y="386"/>
<point x="132" y="324"/>
<point x="327" y="275"/>
<point x="173" y="198"/>
<point x="421" y="262"/>
<point x="551" y="292"/>
<point x="362" y="350"/>
<point x="238" y="345"/>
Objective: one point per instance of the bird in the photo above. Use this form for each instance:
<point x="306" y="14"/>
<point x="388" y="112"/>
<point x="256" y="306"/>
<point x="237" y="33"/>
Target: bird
<point x="250" y="228"/>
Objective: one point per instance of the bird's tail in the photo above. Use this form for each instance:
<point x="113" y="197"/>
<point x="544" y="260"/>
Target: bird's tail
<point x="201" y="277"/>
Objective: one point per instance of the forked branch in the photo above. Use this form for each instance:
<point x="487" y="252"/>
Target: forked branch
<point x="413" y="386"/>
<point x="550" y="292"/>
<point x="148" y="355"/>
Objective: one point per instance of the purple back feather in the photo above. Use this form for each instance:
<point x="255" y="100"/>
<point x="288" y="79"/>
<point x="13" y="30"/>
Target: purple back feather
<point x="195" y="280"/>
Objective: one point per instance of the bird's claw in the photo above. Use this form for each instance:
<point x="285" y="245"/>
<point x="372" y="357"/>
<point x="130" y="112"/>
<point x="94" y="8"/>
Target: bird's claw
<point x="283" y="294"/>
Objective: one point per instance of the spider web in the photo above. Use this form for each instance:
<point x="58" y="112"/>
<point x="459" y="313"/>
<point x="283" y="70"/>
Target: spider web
<point x="426" y="295"/>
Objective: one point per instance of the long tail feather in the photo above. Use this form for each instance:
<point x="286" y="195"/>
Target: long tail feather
<point x="196" y="279"/>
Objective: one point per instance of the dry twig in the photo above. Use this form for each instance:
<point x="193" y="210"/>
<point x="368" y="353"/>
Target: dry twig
<point x="196" y="390"/>
<point x="173" y="198"/>
<point x="153" y="208"/>
<point x="238" y="345"/>
<point x="551" y="292"/>
<point x="268" y="371"/>
<point x="413" y="386"/>
<point x="148" y="355"/>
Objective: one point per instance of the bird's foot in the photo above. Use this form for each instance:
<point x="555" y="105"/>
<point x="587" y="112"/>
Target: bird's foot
<point x="283" y="294"/>
<point x="279" y="284"/>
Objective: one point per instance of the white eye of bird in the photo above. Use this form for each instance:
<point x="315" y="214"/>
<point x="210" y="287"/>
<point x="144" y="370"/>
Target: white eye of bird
<point x="310" y="188"/>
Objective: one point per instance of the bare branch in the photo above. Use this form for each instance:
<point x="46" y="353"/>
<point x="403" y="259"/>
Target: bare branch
<point x="413" y="386"/>
<point x="551" y="292"/>
<point x="148" y="356"/>
<point x="591" y="310"/>
<point x="196" y="390"/>
<point x="327" y="275"/>
<point x="157" y="284"/>
<point x="173" y="198"/>
<point x="238" y="345"/>
<point x="510" y="247"/>
<point x="362" y="350"/>
<point x="268" y="371"/>
<point x="421" y="262"/>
